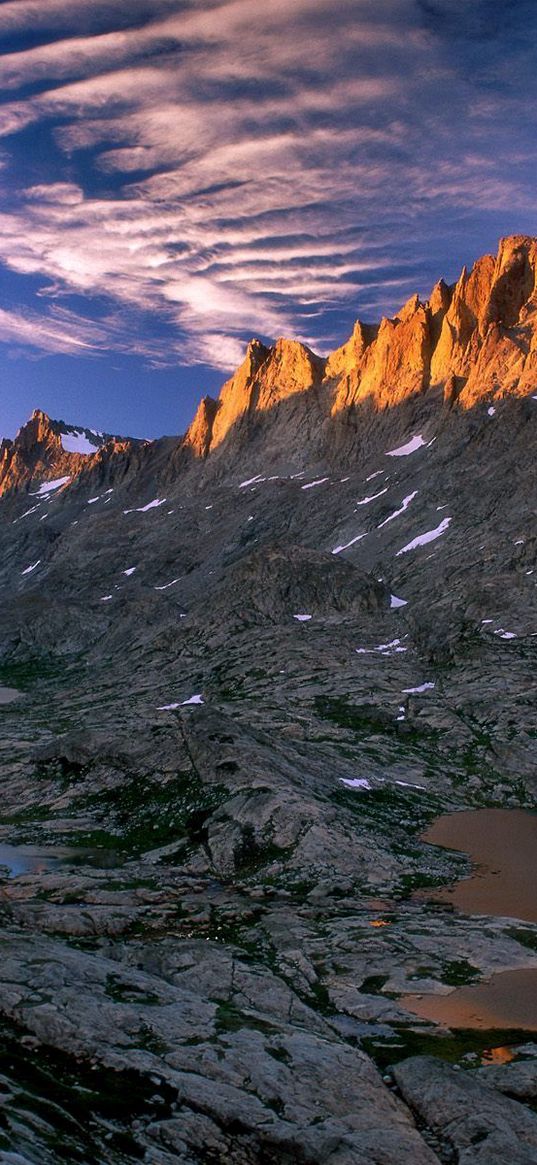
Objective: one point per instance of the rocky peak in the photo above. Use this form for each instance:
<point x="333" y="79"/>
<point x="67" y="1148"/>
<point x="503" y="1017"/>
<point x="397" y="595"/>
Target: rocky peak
<point x="514" y="280"/>
<point x="346" y="358"/>
<point x="199" y="435"/>
<point x="266" y="376"/>
<point x="466" y="339"/>
<point x="440" y="298"/>
<point x="45" y="449"/>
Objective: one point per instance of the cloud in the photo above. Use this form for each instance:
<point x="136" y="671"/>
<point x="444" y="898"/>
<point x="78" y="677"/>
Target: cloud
<point x="220" y="167"/>
<point x="63" y="333"/>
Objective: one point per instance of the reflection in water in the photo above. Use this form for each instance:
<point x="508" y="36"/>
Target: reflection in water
<point x="508" y="1001"/>
<point x="502" y="844"/>
<point x="492" y="1056"/>
<point x="28" y="859"/>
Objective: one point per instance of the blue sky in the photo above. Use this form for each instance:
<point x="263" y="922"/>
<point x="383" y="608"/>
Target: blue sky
<point x="177" y="176"/>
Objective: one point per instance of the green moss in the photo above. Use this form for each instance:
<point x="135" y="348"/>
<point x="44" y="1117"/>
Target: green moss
<point x="368" y="719"/>
<point x="150" y="1041"/>
<point x="459" y="972"/>
<point x="229" y="1018"/>
<point x="462" y="1047"/>
<point x="280" y="1054"/>
<point x="72" y="1113"/>
<point x="373" y="984"/>
<point x="122" y="992"/>
<point x="524" y="936"/>
<point x="148" y="814"/>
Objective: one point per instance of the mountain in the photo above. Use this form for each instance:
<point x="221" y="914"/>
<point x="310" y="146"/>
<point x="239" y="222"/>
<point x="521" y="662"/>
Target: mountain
<point x="253" y="663"/>
<point x="46" y="450"/>
<point x="474" y="340"/>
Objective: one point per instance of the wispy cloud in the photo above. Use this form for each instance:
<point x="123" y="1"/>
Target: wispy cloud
<point x="230" y="166"/>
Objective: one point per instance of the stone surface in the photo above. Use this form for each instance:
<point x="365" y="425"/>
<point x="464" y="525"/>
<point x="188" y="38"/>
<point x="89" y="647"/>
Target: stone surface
<point x="480" y="1124"/>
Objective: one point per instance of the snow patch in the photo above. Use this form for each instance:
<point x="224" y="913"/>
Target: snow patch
<point x="356" y="783"/>
<point x="365" y="501"/>
<point x="49" y="486"/>
<point x="29" y="569"/>
<point x="150" y="506"/>
<point x="338" y="549"/>
<point x="302" y="618"/>
<point x="75" y="441"/>
<point x="311" y="484"/>
<point x="130" y="570"/>
<point x="170" y="584"/>
<point x="395" y="602"/>
<point x="491" y="411"/>
<point x="198" y="699"/>
<point x="427" y="687"/>
<point x="392" y="648"/>
<point x="403" y="451"/>
<point x="404" y="506"/>
<point x="25" y="515"/>
<point x="423" y="539"/>
<point x="251" y="481"/>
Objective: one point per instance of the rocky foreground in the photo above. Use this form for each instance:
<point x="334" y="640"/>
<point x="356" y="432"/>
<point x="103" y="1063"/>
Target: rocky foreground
<point x="254" y="663"/>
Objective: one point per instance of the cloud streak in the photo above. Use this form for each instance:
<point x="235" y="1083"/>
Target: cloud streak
<point x="225" y="167"/>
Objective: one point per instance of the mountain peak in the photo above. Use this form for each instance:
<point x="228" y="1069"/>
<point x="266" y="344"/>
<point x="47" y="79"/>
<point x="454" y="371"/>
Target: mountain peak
<point x="466" y="338"/>
<point x="45" y="448"/>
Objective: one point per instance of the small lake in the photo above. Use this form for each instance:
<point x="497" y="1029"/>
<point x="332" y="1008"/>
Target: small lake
<point x="29" y="859"/>
<point x="7" y="695"/>
<point x="502" y="844"/>
<point x="507" y="1001"/>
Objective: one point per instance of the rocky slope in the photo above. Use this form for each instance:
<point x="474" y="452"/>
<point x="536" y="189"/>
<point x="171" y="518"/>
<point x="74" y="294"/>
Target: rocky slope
<point x="252" y="664"/>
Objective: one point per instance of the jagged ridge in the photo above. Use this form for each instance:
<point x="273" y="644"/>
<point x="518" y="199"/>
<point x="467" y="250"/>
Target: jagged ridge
<point x="473" y="339"/>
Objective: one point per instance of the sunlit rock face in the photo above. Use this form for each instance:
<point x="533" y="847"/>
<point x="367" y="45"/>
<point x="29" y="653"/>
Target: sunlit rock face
<point x="45" y="450"/>
<point x="473" y="339"/>
<point x="395" y="365"/>
<point x="266" y="377"/>
<point x="199" y="435"/>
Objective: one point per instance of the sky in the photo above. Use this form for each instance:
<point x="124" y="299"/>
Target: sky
<point x="179" y="176"/>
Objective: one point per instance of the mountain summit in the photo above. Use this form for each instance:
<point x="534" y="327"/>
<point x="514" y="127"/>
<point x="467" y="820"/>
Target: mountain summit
<point x="44" y="449"/>
<point x="474" y="339"/>
<point x="472" y="342"/>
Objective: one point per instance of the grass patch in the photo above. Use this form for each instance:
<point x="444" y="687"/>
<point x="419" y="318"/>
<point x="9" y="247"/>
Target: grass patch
<point x="465" y="1046"/>
<point x="459" y="972"/>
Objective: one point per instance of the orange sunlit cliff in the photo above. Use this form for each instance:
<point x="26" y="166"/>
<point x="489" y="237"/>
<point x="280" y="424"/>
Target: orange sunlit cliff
<point x="473" y="339"/>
